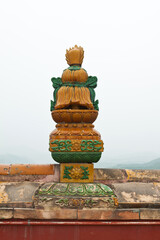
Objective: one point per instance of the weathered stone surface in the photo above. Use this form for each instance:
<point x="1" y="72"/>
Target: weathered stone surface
<point x="143" y="175"/>
<point x="17" y="194"/>
<point x="69" y="214"/>
<point x="30" y="178"/>
<point x="42" y="214"/>
<point x="59" y="214"/>
<point x="137" y="192"/>
<point x="6" y="213"/>
<point x="107" y="176"/>
<point x="56" y="173"/>
<point x="24" y="213"/>
<point x="108" y="214"/>
<point x="150" y="214"/>
<point x="3" y="194"/>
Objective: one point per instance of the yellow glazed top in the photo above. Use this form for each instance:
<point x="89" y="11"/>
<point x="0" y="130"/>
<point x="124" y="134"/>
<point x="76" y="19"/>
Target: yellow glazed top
<point x="75" y="55"/>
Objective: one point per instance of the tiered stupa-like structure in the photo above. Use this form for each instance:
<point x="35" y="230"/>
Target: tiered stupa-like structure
<point x="64" y="201"/>
<point x="75" y="144"/>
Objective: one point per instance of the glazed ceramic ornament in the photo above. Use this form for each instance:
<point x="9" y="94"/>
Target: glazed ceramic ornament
<point x="74" y="109"/>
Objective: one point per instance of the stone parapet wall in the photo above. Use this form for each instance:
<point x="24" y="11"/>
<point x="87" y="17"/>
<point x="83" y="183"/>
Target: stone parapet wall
<point x="137" y="195"/>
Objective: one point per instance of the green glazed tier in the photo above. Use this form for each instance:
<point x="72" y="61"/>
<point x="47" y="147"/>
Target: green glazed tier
<point x="76" y="157"/>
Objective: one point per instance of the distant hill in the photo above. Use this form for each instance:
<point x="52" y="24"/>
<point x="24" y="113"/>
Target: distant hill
<point x="26" y="158"/>
<point x="13" y="159"/>
<point x="154" y="164"/>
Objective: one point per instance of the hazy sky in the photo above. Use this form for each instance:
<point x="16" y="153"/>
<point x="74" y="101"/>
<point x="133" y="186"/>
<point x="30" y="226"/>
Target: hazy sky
<point x="121" y="40"/>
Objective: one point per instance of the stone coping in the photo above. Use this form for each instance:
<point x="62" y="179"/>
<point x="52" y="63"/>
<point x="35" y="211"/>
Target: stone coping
<point x="50" y="173"/>
<point x="26" y="169"/>
<point x="78" y="214"/>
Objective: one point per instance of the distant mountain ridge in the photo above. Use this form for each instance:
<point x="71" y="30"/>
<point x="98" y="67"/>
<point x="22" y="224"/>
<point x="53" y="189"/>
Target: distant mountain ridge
<point x="154" y="164"/>
<point x="14" y="159"/>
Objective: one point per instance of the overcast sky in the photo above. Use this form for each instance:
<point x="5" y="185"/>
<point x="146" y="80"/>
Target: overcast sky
<point x="121" y="40"/>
